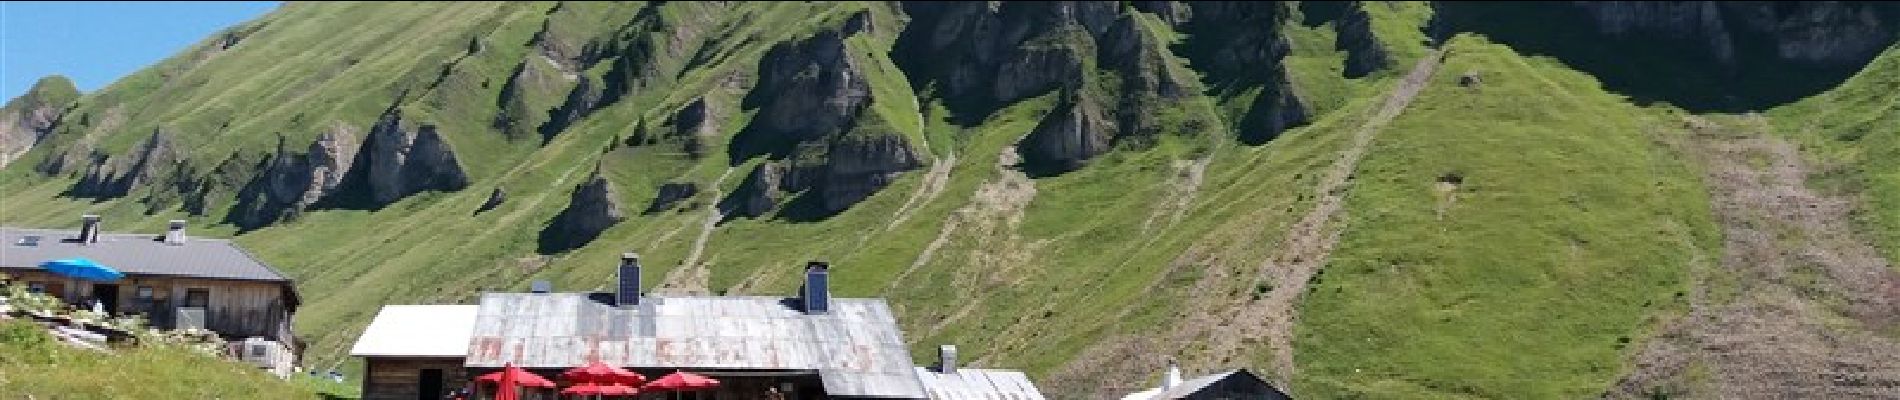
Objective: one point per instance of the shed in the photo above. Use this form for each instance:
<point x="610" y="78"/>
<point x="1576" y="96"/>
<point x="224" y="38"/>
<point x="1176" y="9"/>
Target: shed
<point x="415" y="351"/>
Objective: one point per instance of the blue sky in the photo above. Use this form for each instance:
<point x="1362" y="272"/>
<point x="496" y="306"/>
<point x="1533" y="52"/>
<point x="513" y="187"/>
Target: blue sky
<point x="96" y="43"/>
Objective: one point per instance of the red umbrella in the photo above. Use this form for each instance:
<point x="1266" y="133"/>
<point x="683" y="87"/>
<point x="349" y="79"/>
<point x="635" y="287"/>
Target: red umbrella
<point x="598" y="372"/>
<point x="509" y="378"/>
<point x="680" y="382"/>
<point x="589" y="389"/>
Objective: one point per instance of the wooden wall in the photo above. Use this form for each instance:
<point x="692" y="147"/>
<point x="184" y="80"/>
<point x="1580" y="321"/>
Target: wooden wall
<point x="398" y="378"/>
<point x="236" y="308"/>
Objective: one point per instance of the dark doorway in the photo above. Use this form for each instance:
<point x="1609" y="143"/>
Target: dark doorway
<point x="430" y="385"/>
<point x="108" y="296"/>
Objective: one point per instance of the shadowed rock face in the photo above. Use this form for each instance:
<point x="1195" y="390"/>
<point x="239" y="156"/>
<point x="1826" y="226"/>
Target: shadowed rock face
<point x="292" y="181"/>
<point x="110" y="177"/>
<point x="1821" y="32"/>
<point x="670" y="195"/>
<point x="812" y="96"/>
<point x="591" y="209"/>
<point x="398" y="161"/>
<point x="980" y="55"/>
<point x="1072" y="134"/>
<point x="1364" y="54"/>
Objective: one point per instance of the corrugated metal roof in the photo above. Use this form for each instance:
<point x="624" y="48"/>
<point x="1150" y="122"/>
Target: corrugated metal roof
<point x="978" y="384"/>
<point x="136" y="254"/>
<point x="856" y="349"/>
<point x="418" y="331"/>
<point x="1189" y="387"/>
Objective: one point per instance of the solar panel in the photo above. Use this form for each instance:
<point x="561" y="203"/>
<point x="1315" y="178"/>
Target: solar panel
<point x="629" y="293"/>
<point x="818" y="291"/>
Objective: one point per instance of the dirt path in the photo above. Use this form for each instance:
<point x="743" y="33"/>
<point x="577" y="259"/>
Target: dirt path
<point x="1307" y="244"/>
<point x="933" y="185"/>
<point x="691" y="276"/>
<point x="1798" y="304"/>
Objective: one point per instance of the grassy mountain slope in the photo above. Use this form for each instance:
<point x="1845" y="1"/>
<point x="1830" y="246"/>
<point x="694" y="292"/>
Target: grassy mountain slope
<point x="1509" y="239"/>
<point x="33" y="365"/>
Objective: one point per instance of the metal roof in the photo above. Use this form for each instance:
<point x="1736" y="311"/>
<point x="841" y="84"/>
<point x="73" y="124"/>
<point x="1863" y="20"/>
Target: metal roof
<point x="1191" y="386"/>
<point x="135" y="254"/>
<point x="856" y="348"/>
<point x="417" y="331"/>
<point x="978" y="384"/>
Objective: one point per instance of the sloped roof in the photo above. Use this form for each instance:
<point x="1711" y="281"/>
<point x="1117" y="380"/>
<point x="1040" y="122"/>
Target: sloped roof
<point x="856" y="348"/>
<point x="417" y="331"/>
<point x="1191" y="386"/>
<point x="142" y="254"/>
<point x="978" y="384"/>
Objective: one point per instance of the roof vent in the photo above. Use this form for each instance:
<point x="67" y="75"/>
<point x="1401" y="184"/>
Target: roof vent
<point x="817" y="291"/>
<point x="28" y="240"/>
<point x="541" y="287"/>
<point x="175" y="233"/>
<point x="947" y="359"/>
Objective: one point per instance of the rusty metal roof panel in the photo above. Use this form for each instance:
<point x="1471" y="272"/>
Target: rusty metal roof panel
<point x="856" y="349"/>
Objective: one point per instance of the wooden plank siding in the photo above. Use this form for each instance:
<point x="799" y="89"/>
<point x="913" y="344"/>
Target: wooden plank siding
<point x="400" y="378"/>
<point x="234" y="308"/>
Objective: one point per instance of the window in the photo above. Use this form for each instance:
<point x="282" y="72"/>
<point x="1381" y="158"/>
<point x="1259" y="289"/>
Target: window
<point x="257" y="350"/>
<point x="36" y="287"/>
<point x="144" y="293"/>
<point x="197" y="297"/>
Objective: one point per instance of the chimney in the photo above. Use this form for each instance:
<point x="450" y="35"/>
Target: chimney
<point x="817" y="291"/>
<point x="629" y="293"/>
<point x="1173" y="378"/>
<point x="947" y="359"/>
<point x="89" y="228"/>
<point x="175" y="233"/>
<point x="540" y="286"/>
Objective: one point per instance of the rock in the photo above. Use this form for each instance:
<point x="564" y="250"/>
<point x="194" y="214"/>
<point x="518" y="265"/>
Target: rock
<point x="808" y="89"/>
<point x="108" y="177"/>
<point x="1469" y="79"/>
<point x="694" y="125"/>
<point x="1274" y="110"/>
<point x="591" y="209"/>
<point x="1816" y="33"/>
<point x="1174" y="13"/>
<point x="398" y="160"/>
<point x="28" y="119"/>
<point x="981" y="54"/>
<point x="671" y="193"/>
<point x="856" y="167"/>
<point x="1364" y="54"/>
<point x="289" y="182"/>
<point x="581" y="101"/>
<point x="1066" y="138"/>
<point x="757" y="195"/>
<point x="495" y="198"/>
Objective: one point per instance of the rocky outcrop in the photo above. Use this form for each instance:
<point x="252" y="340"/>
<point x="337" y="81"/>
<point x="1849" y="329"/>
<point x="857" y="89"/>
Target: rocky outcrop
<point x="291" y="181"/>
<point x="1820" y="33"/>
<point x="1364" y="54"/>
<point x="757" y="195"/>
<point x="398" y="159"/>
<point x="581" y="100"/>
<point x="1174" y="13"/>
<point x="1073" y="133"/>
<point x="671" y="193"/>
<point x="26" y="120"/>
<point x="812" y="121"/>
<point x="854" y="168"/>
<point x="495" y="198"/>
<point x="982" y="55"/>
<point x="694" y="125"/>
<point x="807" y="90"/>
<point x="112" y="177"/>
<point x="1239" y="46"/>
<point x="591" y="209"/>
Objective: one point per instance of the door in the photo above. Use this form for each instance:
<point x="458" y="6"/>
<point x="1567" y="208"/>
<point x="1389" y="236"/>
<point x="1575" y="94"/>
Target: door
<point x="430" y="386"/>
<point x="108" y="296"/>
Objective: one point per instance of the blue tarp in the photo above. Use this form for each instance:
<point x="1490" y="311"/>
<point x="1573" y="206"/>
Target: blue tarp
<point x="83" y="269"/>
